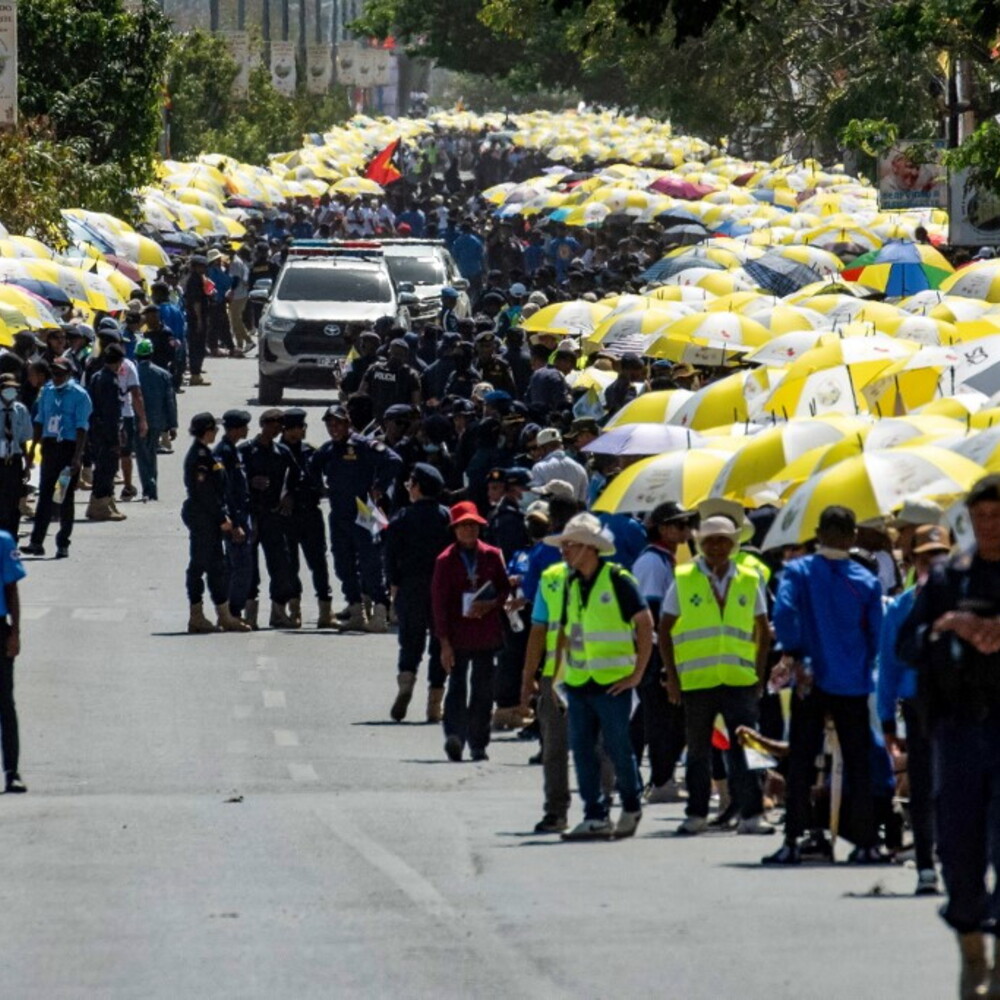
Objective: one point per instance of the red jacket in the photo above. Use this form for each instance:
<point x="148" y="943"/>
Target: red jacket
<point x="451" y="580"/>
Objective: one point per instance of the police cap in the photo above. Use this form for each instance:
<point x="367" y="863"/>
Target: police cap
<point x="236" y="418"/>
<point x="336" y="413"/>
<point x="517" y="476"/>
<point x="495" y="475"/>
<point x="430" y="481"/>
<point x="398" y="411"/>
<point x="270" y="416"/>
<point x="202" y="422"/>
<point x="294" y="416"/>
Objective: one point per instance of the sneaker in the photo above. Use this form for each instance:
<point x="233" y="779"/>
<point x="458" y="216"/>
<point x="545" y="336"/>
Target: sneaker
<point x="669" y="791"/>
<point x="128" y="493"/>
<point x="453" y="748"/>
<point x="787" y="854"/>
<point x="479" y="755"/>
<point x="816" y="848"/>
<point x="726" y="820"/>
<point x="867" y="856"/>
<point x="536" y="758"/>
<point x="754" y="825"/>
<point x="927" y="883"/>
<point x="33" y="549"/>
<point x="692" y="826"/>
<point x="628" y="823"/>
<point x="591" y="829"/>
<point x="550" y="823"/>
<point x="13" y="785"/>
<point x="62" y="552"/>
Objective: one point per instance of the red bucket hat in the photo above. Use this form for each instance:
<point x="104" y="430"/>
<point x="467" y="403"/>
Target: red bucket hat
<point x="464" y="512"/>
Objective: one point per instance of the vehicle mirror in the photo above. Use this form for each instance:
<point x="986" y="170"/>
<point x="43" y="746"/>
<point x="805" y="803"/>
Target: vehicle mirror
<point x="406" y="286"/>
<point x="460" y="284"/>
<point x="408" y="299"/>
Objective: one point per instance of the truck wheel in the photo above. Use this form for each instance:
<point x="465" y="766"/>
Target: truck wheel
<point x="270" y="391"/>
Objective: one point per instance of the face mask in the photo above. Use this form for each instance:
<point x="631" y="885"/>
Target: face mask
<point x="432" y="449"/>
<point x="8" y="395"/>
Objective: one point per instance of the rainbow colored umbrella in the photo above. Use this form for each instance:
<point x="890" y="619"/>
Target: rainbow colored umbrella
<point x="900" y="268"/>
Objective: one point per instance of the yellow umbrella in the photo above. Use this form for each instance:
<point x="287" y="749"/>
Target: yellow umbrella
<point x="651" y="408"/>
<point x="629" y="331"/>
<point x="35" y="311"/>
<point x="684" y="476"/>
<point x="680" y="293"/>
<point x="576" y="318"/>
<point x="872" y="484"/>
<point x="356" y="186"/>
<point x="729" y="400"/>
<point x="721" y="328"/>
<point x="978" y="281"/>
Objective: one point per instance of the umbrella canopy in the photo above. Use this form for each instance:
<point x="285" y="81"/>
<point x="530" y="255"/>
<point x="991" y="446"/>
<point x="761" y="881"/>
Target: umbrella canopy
<point x="872" y="484"/>
<point x="47" y="290"/>
<point x="678" y="187"/>
<point x="650" y="408"/>
<point x="900" y="268"/>
<point x="669" y="266"/>
<point x="779" y="274"/>
<point x="733" y="399"/>
<point x="684" y="476"/>
<point x="575" y="318"/>
<point x="643" y="439"/>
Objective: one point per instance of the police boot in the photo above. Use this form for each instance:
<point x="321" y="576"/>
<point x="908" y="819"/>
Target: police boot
<point x="279" y="617"/>
<point x="378" y="621"/>
<point x="355" y="619"/>
<point x="993" y="993"/>
<point x="326" y="619"/>
<point x="435" y="704"/>
<point x="250" y="613"/>
<point x="406" y="681"/>
<point x="295" y="612"/>
<point x="228" y="622"/>
<point x="975" y="969"/>
<point x="198" y="624"/>
<point x="116" y="514"/>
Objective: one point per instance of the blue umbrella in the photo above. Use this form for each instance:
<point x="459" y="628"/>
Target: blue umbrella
<point x="669" y="266"/>
<point x="48" y="290"/>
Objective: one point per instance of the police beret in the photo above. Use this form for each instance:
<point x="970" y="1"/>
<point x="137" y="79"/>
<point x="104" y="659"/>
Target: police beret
<point x="398" y="411"/>
<point x="495" y="475"/>
<point x="336" y="413"/>
<point x="448" y="293"/>
<point x="273" y="414"/>
<point x="517" y="476"/>
<point x="430" y="481"/>
<point x="463" y="406"/>
<point x="294" y="416"/>
<point x="236" y="418"/>
<point x="202" y="422"/>
<point x="108" y="324"/>
<point x="498" y="396"/>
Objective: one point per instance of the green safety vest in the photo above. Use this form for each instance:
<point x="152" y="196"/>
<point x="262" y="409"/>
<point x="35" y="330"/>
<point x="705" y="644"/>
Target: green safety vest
<point x="599" y="641"/>
<point x="553" y="587"/>
<point x="713" y="647"/>
<point x="753" y="561"/>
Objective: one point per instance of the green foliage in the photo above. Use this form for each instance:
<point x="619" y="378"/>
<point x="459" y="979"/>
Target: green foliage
<point x="92" y="71"/>
<point x="207" y="118"/>
<point x="980" y="154"/>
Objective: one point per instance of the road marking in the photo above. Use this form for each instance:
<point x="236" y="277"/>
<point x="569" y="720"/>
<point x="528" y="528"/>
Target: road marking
<point x="100" y="614"/>
<point x="273" y="699"/>
<point x="242" y="711"/>
<point x="32" y="614"/>
<point x="285" y="738"/>
<point x="303" y="772"/>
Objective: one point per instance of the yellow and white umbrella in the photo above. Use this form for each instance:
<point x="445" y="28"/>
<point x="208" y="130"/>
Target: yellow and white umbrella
<point x="577" y="318"/>
<point x="650" y="408"/>
<point x="684" y="476"/>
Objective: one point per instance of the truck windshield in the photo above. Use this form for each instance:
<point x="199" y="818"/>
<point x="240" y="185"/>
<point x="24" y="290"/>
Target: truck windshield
<point x="317" y="283"/>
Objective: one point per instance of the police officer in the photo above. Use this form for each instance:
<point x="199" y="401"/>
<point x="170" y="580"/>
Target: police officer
<point x="396" y="433"/>
<point x="507" y="530"/>
<point x="493" y="368"/>
<point x="416" y="536"/>
<point x="272" y="474"/>
<point x="357" y="473"/>
<point x="238" y="546"/>
<point x="305" y="527"/>
<point x="206" y="517"/>
<point x="392" y="381"/>
<point x="449" y="318"/>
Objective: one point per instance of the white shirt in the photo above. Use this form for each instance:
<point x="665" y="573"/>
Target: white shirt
<point x="672" y="604"/>
<point x="559" y="465"/>
<point x="128" y="379"/>
<point x="238" y="269"/>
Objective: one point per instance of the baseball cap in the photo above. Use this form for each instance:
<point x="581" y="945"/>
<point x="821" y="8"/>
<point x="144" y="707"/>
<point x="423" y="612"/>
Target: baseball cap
<point x="931" y="538"/>
<point x="294" y="416"/>
<point x="336" y="413"/>
<point x="236" y="418"/>
<point x="556" y="489"/>
<point x="548" y="436"/>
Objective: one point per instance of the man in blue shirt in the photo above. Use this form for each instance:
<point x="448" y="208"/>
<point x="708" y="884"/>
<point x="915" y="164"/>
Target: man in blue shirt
<point x="173" y="318"/>
<point x="11" y="570"/>
<point x="561" y="250"/>
<point x="470" y="256"/>
<point x="61" y="421"/>
<point x="828" y="619"/>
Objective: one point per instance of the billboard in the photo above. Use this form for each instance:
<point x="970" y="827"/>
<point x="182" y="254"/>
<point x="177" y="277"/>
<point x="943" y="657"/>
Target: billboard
<point x="347" y="63"/>
<point x="319" y="68"/>
<point x="973" y="215"/>
<point x="905" y="182"/>
<point x="283" y="67"/>
<point x="239" y="48"/>
<point x="8" y="64"/>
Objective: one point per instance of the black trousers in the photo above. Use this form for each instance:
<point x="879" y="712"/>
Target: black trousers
<point x="413" y="611"/>
<point x="272" y="540"/>
<point x="306" y="530"/>
<point x="206" y="559"/>
<point x="56" y="456"/>
<point x="196" y="345"/>
<point x="105" y="466"/>
<point x="468" y="703"/>
<point x="11" y="491"/>
<point x="662" y="726"/>
<point x="510" y="665"/>
<point x="920" y="770"/>
<point x="9" y="740"/>
<point x="852" y="721"/>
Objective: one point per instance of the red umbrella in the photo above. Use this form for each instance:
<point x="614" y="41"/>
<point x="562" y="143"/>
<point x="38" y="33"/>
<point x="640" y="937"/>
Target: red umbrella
<point x="681" y="189"/>
<point x="125" y="266"/>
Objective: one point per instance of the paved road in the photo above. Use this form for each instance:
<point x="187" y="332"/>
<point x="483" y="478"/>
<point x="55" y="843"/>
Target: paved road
<point x="358" y="863"/>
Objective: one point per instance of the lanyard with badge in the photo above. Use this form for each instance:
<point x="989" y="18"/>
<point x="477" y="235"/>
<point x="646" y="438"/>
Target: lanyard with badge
<point x="469" y="558"/>
<point x="54" y="426"/>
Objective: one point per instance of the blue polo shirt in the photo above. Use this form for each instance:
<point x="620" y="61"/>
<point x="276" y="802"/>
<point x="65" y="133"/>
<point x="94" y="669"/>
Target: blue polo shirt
<point x="62" y="412"/>
<point x="11" y="567"/>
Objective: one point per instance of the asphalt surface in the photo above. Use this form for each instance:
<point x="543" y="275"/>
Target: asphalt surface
<point x="354" y="861"/>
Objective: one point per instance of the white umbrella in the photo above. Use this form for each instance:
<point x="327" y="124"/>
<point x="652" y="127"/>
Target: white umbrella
<point x="644" y="439"/>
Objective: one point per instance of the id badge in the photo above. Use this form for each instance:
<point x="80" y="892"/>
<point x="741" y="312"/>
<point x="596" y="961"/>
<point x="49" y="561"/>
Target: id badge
<point x="467" y="598"/>
<point x="55" y="425"/>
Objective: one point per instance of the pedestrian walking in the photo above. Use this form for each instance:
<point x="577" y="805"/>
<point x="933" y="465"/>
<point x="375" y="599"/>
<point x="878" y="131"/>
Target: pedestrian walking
<point x="606" y="640"/>
<point x="469" y="589"/>
<point x="160" y="403"/>
<point x="11" y="572"/>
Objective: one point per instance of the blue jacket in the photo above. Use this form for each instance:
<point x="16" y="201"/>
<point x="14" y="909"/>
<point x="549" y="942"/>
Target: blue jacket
<point x="158" y="396"/>
<point x="629" y="534"/>
<point x="896" y="678"/>
<point x="350" y="469"/>
<point x="830" y="610"/>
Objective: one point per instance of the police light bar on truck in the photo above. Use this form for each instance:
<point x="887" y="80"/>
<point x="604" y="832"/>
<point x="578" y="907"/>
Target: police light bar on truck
<point x="333" y="249"/>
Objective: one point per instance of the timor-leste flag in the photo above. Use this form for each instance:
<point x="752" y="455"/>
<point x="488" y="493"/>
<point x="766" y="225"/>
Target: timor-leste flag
<point x="381" y="168"/>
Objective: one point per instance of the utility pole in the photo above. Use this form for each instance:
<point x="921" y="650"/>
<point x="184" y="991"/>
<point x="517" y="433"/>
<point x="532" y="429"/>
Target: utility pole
<point x="284" y="20"/>
<point x="213" y="15"/>
<point x="241" y="15"/>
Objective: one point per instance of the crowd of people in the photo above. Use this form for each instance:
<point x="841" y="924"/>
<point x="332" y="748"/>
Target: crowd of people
<point x="461" y="500"/>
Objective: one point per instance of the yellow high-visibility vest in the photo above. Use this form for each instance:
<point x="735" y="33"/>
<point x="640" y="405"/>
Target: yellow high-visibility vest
<point x="600" y="645"/>
<point x="712" y="646"/>
<point x="552" y="584"/>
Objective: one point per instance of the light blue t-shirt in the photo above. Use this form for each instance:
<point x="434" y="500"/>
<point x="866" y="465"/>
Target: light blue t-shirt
<point x="11" y="567"/>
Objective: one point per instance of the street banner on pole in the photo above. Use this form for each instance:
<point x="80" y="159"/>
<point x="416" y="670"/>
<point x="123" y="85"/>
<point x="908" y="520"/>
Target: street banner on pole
<point x="239" y="49"/>
<point x="8" y="64"/>
<point x="905" y="181"/>
<point x="347" y="56"/>
<point x="283" y="67"/>
<point x="319" y="68"/>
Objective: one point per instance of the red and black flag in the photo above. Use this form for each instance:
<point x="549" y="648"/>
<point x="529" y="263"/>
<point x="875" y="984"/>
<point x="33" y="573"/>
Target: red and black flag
<point x="381" y="168"/>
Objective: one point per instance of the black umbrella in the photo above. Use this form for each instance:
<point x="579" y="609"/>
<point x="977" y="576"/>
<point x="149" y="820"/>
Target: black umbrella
<point x="686" y="234"/>
<point x="669" y="266"/>
<point x="780" y="275"/>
